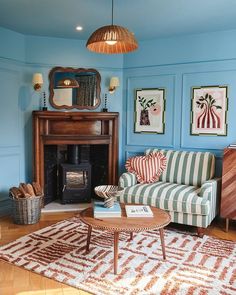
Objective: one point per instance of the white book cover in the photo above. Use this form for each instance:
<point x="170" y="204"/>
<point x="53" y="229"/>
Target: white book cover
<point x="138" y="211"/>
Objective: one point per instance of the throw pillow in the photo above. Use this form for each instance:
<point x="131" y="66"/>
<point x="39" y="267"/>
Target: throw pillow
<point x="147" y="168"/>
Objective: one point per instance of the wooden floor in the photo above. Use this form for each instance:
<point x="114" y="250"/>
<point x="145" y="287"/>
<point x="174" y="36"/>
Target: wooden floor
<point x="15" y="280"/>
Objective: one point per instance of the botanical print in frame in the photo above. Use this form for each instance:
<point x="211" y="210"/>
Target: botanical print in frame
<point x="150" y="110"/>
<point x="209" y="110"/>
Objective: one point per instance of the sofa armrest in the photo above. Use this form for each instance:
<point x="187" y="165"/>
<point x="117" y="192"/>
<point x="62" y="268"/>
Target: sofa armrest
<point x="210" y="191"/>
<point x="127" y="179"/>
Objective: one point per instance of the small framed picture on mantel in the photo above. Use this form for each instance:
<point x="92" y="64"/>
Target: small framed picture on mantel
<point x="209" y="106"/>
<point x="149" y="110"/>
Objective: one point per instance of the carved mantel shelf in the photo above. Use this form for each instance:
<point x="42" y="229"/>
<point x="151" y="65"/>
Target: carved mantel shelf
<point x="62" y="128"/>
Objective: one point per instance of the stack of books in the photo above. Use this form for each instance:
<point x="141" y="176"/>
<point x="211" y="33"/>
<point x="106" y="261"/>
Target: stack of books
<point x="138" y="211"/>
<point x="232" y="146"/>
<point x="99" y="211"/>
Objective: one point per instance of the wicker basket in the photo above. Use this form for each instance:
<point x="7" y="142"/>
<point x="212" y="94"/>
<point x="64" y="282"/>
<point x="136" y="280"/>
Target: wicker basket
<point x="26" y="210"/>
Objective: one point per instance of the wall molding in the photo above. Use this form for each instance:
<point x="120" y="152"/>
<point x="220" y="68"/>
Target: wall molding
<point x="182" y="63"/>
<point x="129" y="79"/>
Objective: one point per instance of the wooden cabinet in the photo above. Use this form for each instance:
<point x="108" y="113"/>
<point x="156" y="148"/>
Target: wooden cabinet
<point x="228" y="193"/>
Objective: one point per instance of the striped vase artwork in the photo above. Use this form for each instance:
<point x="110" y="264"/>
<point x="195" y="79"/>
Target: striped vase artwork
<point x="208" y="118"/>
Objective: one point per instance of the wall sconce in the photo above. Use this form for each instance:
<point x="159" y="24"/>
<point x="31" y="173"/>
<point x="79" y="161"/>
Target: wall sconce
<point x="37" y="81"/>
<point x="114" y="82"/>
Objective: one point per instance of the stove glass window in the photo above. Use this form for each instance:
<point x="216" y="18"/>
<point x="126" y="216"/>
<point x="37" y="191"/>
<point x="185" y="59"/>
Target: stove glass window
<point x="76" y="179"/>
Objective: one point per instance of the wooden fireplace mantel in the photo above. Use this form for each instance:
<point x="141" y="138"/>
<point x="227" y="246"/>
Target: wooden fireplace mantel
<point x="62" y="128"/>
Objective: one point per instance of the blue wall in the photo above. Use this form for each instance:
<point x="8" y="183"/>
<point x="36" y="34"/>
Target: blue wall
<point x="176" y="64"/>
<point x="20" y="57"/>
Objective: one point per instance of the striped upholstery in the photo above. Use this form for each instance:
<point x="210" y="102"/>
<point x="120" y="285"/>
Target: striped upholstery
<point x="127" y="179"/>
<point x="192" y="168"/>
<point x="168" y="196"/>
<point x="185" y="189"/>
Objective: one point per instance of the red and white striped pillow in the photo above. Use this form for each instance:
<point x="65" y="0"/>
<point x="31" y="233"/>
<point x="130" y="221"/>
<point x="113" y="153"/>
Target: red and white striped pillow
<point x="147" y="168"/>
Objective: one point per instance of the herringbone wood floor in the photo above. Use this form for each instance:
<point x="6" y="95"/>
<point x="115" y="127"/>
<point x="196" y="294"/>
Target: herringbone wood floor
<point x="14" y="280"/>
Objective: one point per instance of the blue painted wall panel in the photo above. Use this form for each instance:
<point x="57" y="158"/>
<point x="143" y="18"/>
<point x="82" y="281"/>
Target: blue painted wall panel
<point x="159" y="81"/>
<point x="190" y="66"/>
<point x="184" y="49"/>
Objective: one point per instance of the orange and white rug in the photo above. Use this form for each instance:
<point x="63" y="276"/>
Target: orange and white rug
<point x="193" y="265"/>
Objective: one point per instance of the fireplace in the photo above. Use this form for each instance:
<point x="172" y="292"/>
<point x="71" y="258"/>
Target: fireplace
<point x="74" y="152"/>
<point x="75" y="183"/>
<point x="75" y="177"/>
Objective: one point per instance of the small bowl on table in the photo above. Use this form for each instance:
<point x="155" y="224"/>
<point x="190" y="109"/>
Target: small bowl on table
<point x="108" y="193"/>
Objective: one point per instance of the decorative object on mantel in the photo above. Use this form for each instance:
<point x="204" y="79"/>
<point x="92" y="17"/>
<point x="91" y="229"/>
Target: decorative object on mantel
<point x="114" y="83"/>
<point x="44" y="108"/>
<point x="209" y="105"/>
<point x="105" y="109"/>
<point x="150" y="110"/>
<point x="194" y="265"/>
<point x="112" y="39"/>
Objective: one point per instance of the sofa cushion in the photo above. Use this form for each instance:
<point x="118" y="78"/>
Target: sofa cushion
<point x="191" y="168"/>
<point x="167" y="196"/>
<point x="147" y="168"/>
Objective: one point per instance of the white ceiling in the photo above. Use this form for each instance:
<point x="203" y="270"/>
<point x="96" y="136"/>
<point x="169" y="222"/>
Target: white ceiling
<point x="148" y="19"/>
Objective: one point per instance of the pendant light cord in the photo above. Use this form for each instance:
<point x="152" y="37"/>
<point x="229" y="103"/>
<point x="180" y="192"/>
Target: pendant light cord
<point x="112" y="14"/>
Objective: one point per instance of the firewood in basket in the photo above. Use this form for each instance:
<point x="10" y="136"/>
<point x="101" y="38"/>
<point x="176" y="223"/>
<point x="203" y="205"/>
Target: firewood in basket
<point x="24" y="190"/>
<point x="37" y="189"/>
<point x="16" y="192"/>
<point x="30" y="190"/>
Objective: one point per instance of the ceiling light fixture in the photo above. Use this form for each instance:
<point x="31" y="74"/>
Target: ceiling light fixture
<point x="79" y="28"/>
<point x="112" y="39"/>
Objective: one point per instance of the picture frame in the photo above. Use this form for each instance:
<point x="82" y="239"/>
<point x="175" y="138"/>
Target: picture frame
<point x="209" y="106"/>
<point x="149" y="110"/>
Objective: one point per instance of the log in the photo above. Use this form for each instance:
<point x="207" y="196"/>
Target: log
<point x="37" y="189"/>
<point x="16" y="192"/>
<point x="30" y="190"/>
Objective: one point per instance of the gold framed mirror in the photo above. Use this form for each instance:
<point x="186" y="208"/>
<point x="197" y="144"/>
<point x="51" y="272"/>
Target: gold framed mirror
<point x="71" y="88"/>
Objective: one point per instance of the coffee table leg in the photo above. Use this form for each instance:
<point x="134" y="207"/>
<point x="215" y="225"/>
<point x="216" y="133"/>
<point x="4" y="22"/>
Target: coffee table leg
<point x="161" y="230"/>
<point x="88" y="238"/>
<point x="131" y="236"/>
<point x="116" y="240"/>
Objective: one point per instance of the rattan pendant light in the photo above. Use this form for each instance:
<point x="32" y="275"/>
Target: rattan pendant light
<point x="112" y="39"/>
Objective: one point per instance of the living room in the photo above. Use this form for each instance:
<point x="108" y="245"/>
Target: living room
<point x="178" y="55"/>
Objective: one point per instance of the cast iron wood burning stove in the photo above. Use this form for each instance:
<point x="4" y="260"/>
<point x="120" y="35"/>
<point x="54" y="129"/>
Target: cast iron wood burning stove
<point x="75" y="183"/>
<point x="75" y="178"/>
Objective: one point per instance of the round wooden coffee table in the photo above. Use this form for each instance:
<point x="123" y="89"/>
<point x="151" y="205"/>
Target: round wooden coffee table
<point x="126" y="224"/>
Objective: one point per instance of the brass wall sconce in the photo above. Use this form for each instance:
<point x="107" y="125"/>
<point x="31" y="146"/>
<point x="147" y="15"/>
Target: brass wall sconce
<point x="114" y="83"/>
<point x="37" y="81"/>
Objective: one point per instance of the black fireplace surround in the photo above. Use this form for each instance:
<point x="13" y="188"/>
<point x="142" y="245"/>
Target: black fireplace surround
<point x="72" y="172"/>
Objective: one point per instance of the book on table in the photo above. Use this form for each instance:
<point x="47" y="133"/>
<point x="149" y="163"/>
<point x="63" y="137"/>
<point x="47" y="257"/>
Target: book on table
<point x="99" y="211"/>
<point x="138" y="211"/>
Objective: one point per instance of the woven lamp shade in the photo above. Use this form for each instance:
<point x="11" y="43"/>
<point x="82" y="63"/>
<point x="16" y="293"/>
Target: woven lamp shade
<point x="125" y="40"/>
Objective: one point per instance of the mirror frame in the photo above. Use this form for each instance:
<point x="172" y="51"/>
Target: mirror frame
<point x="73" y="70"/>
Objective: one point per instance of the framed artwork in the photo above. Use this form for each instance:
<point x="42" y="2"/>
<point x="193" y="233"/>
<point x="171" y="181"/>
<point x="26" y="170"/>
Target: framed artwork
<point x="150" y="110"/>
<point x="209" y="105"/>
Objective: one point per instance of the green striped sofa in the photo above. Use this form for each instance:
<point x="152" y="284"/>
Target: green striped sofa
<point x="186" y="188"/>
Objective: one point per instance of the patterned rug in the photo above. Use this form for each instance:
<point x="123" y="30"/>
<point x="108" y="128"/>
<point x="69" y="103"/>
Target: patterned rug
<point x="193" y="265"/>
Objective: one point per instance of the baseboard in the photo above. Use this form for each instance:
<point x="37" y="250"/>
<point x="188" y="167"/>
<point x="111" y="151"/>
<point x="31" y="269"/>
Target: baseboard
<point x="5" y="207"/>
